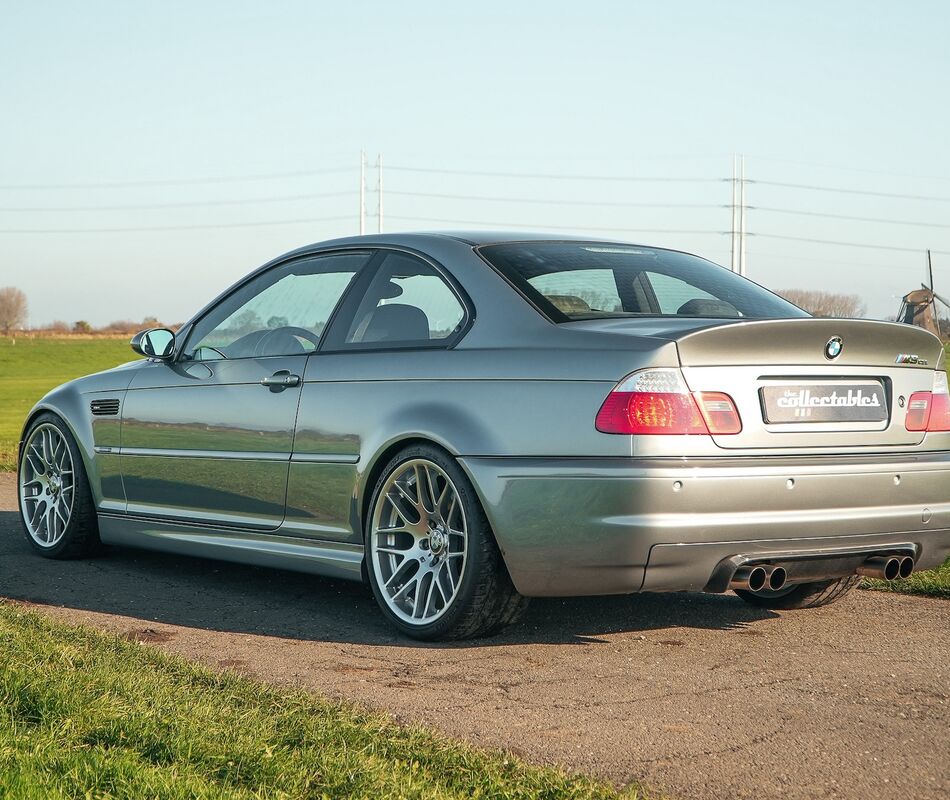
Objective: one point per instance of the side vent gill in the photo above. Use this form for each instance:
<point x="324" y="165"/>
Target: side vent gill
<point x="105" y="408"/>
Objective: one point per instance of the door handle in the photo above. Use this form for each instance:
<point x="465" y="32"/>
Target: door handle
<point x="281" y="379"/>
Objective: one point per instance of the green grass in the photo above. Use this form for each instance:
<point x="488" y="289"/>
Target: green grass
<point x="87" y="715"/>
<point x="31" y="367"/>
<point x="933" y="583"/>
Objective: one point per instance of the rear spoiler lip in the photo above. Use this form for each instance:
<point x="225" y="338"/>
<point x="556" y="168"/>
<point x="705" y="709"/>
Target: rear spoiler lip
<point x="811" y="321"/>
<point x="801" y="342"/>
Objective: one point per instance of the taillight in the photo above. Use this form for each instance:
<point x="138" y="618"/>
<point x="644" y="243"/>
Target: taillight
<point x="930" y="411"/>
<point x="720" y="413"/>
<point x="657" y="401"/>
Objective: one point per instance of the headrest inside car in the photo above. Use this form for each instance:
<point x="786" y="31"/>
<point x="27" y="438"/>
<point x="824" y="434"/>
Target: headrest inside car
<point x="569" y="303"/>
<point x="390" y="291"/>
<point x="707" y="308"/>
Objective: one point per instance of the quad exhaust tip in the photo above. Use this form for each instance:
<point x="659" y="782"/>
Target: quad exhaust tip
<point x="888" y="568"/>
<point x="759" y="577"/>
<point x="752" y="579"/>
<point x="776" y="577"/>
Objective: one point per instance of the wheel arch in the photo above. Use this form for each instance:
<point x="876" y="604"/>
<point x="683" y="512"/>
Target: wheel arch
<point x="384" y="455"/>
<point x="82" y="436"/>
<point x="46" y="408"/>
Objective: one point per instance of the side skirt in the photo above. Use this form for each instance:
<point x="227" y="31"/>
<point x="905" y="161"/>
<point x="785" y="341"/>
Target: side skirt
<point x="331" y="559"/>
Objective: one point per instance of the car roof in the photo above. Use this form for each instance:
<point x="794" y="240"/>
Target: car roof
<point x="473" y="238"/>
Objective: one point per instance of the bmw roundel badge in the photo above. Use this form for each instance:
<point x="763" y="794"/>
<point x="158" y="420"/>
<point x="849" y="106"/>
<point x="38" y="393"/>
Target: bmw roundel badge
<point x="833" y="347"/>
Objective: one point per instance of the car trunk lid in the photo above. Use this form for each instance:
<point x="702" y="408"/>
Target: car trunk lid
<point x="799" y="382"/>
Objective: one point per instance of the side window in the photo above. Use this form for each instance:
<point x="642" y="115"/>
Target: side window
<point x="282" y="312"/>
<point x="679" y="297"/>
<point x="406" y="303"/>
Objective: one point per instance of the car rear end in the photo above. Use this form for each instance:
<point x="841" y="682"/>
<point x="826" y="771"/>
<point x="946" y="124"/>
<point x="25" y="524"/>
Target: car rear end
<point x="824" y="454"/>
<point x="771" y="453"/>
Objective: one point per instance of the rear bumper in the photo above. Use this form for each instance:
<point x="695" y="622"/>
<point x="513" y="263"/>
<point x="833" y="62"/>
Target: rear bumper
<point x="614" y="526"/>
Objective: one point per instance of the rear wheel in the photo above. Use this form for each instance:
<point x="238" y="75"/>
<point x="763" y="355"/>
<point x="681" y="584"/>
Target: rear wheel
<point x="56" y="506"/>
<point x="801" y="595"/>
<point x="432" y="561"/>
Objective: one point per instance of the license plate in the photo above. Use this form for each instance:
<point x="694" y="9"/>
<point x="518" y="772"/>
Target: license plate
<point x="840" y="402"/>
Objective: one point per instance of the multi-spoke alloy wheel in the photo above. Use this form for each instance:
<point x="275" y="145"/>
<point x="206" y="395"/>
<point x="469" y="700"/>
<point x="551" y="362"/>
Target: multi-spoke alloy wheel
<point x="47" y="485"/>
<point x="418" y="541"/>
<point x="431" y="556"/>
<point x="56" y="505"/>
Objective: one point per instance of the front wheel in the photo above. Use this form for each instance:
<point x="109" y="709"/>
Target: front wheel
<point x="432" y="561"/>
<point x="801" y="595"/>
<point x="56" y="505"/>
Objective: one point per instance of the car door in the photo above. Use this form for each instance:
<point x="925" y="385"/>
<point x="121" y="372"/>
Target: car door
<point x="208" y="436"/>
<point x="398" y="315"/>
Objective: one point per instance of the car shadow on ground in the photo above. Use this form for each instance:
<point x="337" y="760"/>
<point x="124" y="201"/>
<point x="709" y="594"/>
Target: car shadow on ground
<point x="218" y="596"/>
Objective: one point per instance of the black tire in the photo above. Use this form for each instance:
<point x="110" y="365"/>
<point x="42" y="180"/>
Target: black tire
<point x="81" y="536"/>
<point x="802" y="595"/>
<point x="486" y="600"/>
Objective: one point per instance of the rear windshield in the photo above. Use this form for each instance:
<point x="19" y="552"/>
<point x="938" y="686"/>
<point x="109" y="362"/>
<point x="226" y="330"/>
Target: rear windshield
<point x="584" y="280"/>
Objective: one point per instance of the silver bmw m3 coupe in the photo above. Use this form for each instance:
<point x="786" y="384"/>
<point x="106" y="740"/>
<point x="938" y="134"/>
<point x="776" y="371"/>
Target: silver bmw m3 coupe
<point x="468" y="420"/>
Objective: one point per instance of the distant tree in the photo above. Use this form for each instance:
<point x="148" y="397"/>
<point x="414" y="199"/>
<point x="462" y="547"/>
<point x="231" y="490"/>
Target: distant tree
<point x="13" y="309"/>
<point x="277" y="322"/>
<point x="122" y="326"/>
<point x="151" y="322"/>
<point x="81" y="326"/>
<point x="826" y="304"/>
<point x="58" y="326"/>
<point x="245" y="322"/>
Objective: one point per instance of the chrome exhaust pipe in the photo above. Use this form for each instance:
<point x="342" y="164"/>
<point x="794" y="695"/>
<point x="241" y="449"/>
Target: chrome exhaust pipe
<point x="775" y="577"/>
<point x="907" y="567"/>
<point x="752" y="579"/>
<point x="886" y="567"/>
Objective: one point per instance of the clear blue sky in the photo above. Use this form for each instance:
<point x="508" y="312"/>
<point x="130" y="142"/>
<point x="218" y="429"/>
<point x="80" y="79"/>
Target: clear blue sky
<point x="840" y="94"/>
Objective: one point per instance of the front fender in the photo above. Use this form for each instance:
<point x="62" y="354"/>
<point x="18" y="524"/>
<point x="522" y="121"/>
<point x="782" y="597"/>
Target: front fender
<point x="71" y="403"/>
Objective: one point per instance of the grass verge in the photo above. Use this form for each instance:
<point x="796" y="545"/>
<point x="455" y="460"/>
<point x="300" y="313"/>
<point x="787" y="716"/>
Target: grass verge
<point x="84" y="715"/>
<point x="932" y="583"/>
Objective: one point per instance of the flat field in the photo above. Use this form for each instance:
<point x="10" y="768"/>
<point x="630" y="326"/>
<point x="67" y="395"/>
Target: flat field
<point x="30" y="367"/>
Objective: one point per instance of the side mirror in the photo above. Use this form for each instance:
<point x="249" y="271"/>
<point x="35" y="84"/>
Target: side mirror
<point x="154" y="343"/>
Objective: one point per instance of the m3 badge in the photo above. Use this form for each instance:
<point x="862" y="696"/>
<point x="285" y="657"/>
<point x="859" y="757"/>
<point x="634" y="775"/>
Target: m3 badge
<point x="909" y="358"/>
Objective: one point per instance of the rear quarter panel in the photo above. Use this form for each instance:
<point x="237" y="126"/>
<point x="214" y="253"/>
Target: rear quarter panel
<point x="500" y="402"/>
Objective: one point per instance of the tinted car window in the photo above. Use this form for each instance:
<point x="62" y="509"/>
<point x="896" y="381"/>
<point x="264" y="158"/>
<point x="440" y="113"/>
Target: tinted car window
<point x="578" y="280"/>
<point x="407" y="303"/>
<point x="281" y="312"/>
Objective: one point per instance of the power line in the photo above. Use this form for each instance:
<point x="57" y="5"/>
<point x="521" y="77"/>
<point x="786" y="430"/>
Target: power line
<point x="839" y="190"/>
<point x="552" y="176"/>
<point x="851" y="169"/>
<point x="848" y="217"/>
<point x="544" y="201"/>
<point x="845" y="244"/>
<point x="523" y="226"/>
<point x="307" y="221"/>
<point x="176" y="181"/>
<point x="834" y="261"/>
<point x="195" y="204"/>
